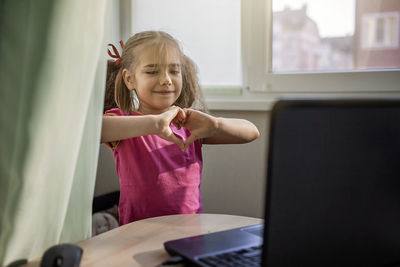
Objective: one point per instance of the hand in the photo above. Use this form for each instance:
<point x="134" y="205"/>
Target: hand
<point x="200" y="124"/>
<point x="176" y="116"/>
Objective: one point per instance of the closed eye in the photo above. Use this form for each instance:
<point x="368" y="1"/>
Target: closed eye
<point x="152" y="72"/>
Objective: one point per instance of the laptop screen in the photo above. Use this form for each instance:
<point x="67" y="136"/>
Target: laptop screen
<point x="333" y="183"/>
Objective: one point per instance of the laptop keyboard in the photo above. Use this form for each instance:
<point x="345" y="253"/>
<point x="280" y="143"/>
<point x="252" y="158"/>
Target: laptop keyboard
<point x="244" y="257"/>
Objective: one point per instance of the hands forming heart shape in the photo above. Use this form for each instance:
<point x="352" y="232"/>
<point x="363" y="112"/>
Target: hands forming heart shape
<point x="200" y="124"/>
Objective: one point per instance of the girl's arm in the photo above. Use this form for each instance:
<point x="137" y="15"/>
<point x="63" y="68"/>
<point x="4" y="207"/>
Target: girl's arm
<point x="116" y="128"/>
<point x="218" y="130"/>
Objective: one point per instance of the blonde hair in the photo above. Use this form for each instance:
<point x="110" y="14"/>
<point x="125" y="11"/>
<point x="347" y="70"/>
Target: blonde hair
<point x="190" y="96"/>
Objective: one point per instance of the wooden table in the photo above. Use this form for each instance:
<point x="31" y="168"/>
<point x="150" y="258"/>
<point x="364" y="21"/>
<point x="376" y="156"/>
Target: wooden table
<point x="141" y="243"/>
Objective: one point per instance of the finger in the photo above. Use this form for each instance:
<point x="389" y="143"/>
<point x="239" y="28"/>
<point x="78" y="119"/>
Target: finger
<point x="181" y="115"/>
<point x="179" y="119"/>
<point x="173" y="110"/>
<point x="177" y="123"/>
<point x="171" y="115"/>
<point x="172" y="107"/>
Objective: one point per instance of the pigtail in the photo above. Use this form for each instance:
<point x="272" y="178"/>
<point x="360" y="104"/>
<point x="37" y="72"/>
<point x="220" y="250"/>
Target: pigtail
<point x="109" y="100"/>
<point x="191" y="95"/>
<point x="122" y="94"/>
<point x="117" y="94"/>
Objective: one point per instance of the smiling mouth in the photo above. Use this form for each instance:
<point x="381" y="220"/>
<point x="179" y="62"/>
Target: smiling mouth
<point x="164" y="92"/>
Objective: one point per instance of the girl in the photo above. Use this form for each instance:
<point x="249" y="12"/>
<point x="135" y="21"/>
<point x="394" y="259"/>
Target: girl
<point x="155" y="136"/>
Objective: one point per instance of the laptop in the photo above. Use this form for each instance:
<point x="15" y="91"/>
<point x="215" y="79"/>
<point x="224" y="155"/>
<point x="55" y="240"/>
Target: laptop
<point x="332" y="191"/>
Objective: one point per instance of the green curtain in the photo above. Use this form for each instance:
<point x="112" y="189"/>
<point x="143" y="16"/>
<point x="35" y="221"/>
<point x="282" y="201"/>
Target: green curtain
<point x="52" y="77"/>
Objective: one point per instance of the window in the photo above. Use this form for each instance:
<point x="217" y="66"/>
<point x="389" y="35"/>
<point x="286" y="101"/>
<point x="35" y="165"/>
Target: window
<point x="309" y="37"/>
<point x="380" y="31"/>
<point x="208" y="30"/>
<point x="299" y="47"/>
<point x="262" y="49"/>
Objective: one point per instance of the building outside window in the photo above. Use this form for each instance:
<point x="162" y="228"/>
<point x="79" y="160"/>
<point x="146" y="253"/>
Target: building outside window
<point x="378" y="26"/>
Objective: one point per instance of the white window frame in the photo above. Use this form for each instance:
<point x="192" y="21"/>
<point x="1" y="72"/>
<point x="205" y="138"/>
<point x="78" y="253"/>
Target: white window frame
<point x="261" y="87"/>
<point x="365" y="34"/>
<point x="257" y="35"/>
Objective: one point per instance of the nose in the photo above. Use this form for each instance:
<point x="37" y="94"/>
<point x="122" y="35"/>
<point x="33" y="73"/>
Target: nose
<point x="165" y="79"/>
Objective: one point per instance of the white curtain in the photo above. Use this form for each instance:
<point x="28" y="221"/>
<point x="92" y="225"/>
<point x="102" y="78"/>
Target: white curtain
<point x="52" y="78"/>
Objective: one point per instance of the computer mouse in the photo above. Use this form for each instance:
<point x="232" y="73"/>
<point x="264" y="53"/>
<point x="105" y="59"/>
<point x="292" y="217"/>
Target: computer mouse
<point x="62" y="255"/>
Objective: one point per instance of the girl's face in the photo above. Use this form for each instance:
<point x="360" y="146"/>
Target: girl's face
<point x="157" y="81"/>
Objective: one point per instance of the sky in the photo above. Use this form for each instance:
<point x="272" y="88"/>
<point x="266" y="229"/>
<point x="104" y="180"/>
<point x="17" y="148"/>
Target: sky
<point x="333" y="17"/>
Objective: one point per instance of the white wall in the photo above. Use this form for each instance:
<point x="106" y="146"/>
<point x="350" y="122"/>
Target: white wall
<point x="233" y="175"/>
<point x="106" y="177"/>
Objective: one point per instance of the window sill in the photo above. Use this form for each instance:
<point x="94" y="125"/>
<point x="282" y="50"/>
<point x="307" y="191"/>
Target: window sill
<point x="240" y="104"/>
<point x="265" y="102"/>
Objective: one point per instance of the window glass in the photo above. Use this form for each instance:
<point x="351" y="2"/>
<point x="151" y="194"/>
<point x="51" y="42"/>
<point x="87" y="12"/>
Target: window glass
<point x="335" y="35"/>
<point x="208" y="30"/>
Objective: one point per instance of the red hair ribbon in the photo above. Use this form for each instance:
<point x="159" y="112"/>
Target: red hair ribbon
<point x="118" y="62"/>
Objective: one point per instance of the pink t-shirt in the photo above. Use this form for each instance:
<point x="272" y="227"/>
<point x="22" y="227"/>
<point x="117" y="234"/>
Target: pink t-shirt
<point x="156" y="177"/>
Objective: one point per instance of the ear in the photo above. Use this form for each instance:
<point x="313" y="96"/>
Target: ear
<point x="129" y="79"/>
